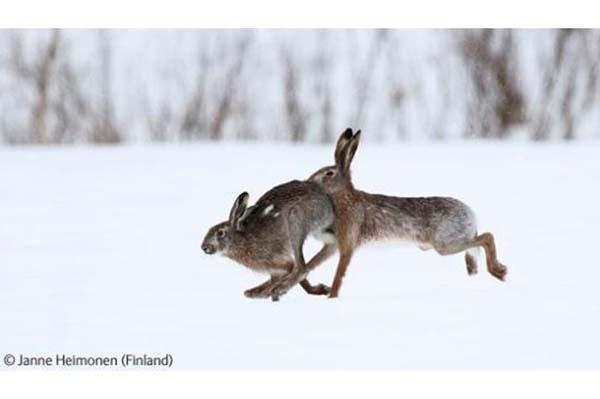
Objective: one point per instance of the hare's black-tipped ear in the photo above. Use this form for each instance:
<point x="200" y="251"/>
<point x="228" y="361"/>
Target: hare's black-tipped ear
<point x="345" y="137"/>
<point x="349" y="151"/>
<point x="238" y="208"/>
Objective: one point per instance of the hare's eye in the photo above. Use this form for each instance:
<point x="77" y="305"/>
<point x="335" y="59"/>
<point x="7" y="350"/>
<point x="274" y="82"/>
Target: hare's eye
<point x="329" y="173"/>
<point x="221" y="233"/>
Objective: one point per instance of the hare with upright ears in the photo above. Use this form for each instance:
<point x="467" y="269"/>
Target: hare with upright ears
<point x="445" y="224"/>
<point x="268" y="237"/>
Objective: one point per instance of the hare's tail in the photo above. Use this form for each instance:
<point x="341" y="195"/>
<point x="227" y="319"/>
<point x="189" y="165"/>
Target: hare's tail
<point x="474" y="252"/>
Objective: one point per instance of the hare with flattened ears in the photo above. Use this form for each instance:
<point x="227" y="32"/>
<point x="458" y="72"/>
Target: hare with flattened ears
<point x="268" y="236"/>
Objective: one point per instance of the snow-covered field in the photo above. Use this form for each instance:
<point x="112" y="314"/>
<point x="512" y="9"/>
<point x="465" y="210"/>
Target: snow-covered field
<point x="100" y="254"/>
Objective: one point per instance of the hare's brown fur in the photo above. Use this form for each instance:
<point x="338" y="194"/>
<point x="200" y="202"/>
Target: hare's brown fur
<point x="444" y="224"/>
<point x="268" y="237"/>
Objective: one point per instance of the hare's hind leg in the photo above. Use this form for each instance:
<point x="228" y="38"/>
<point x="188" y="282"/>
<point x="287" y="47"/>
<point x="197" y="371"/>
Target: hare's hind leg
<point x="298" y="231"/>
<point x="320" y="257"/>
<point x="485" y="240"/>
<point x="471" y="261"/>
<point x="325" y="253"/>
<point x="495" y="268"/>
<point x="297" y="235"/>
<point x="319" y="289"/>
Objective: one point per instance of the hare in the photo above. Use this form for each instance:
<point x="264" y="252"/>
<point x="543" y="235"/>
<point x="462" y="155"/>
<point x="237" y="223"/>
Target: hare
<point x="268" y="237"/>
<point x="445" y="224"/>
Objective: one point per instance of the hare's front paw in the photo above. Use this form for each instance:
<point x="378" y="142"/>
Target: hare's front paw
<point x="322" y="289"/>
<point x="251" y="293"/>
<point x="279" y="289"/>
<point x="257" y="292"/>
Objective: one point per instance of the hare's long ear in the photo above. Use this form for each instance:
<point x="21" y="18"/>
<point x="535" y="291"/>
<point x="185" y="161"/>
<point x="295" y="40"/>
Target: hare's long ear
<point x="239" y="206"/>
<point x="349" y="151"/>
<point x="240" y="223"/>
<point x="344" y="139"/>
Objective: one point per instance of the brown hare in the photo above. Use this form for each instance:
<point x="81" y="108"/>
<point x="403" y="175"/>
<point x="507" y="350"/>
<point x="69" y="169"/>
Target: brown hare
<point x="445" y="224"/>
<point x="268" y="237"/>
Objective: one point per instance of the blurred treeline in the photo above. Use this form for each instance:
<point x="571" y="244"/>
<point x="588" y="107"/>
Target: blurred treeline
<point x="111" y="86"/>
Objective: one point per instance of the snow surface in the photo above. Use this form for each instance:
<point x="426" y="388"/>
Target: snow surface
<point x="100" y="254"/>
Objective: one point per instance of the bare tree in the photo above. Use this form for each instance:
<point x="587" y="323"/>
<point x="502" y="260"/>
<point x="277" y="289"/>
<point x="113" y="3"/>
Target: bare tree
<point x="70" y="106"/>
<point x="295" y="113"/>
<point x="105" y="130"/>
<point x="322" y="88"/>
<point x="60" y="111"/>
<point x="43" y="77"/>
<point x="498" y="102"/>
<point x="364" y="77"/>
<point x="194" y="123"/>
<point x="570" y="85"/>
<point x="40" y="73"/>
<point x="225" y="103"/>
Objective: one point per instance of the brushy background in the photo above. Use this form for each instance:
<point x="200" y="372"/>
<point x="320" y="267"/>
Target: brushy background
<point x="110" y="86"/>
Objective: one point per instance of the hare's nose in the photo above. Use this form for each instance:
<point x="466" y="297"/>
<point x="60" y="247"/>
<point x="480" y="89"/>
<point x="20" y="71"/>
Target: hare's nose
<point x="209" y="249"/>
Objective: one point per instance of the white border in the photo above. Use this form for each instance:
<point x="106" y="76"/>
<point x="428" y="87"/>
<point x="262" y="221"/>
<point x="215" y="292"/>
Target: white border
<point x="299" y="13"/>
<point x="291" y="385"/>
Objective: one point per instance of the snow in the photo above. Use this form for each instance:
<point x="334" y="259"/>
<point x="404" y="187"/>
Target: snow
<point x="100" y="254"/>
